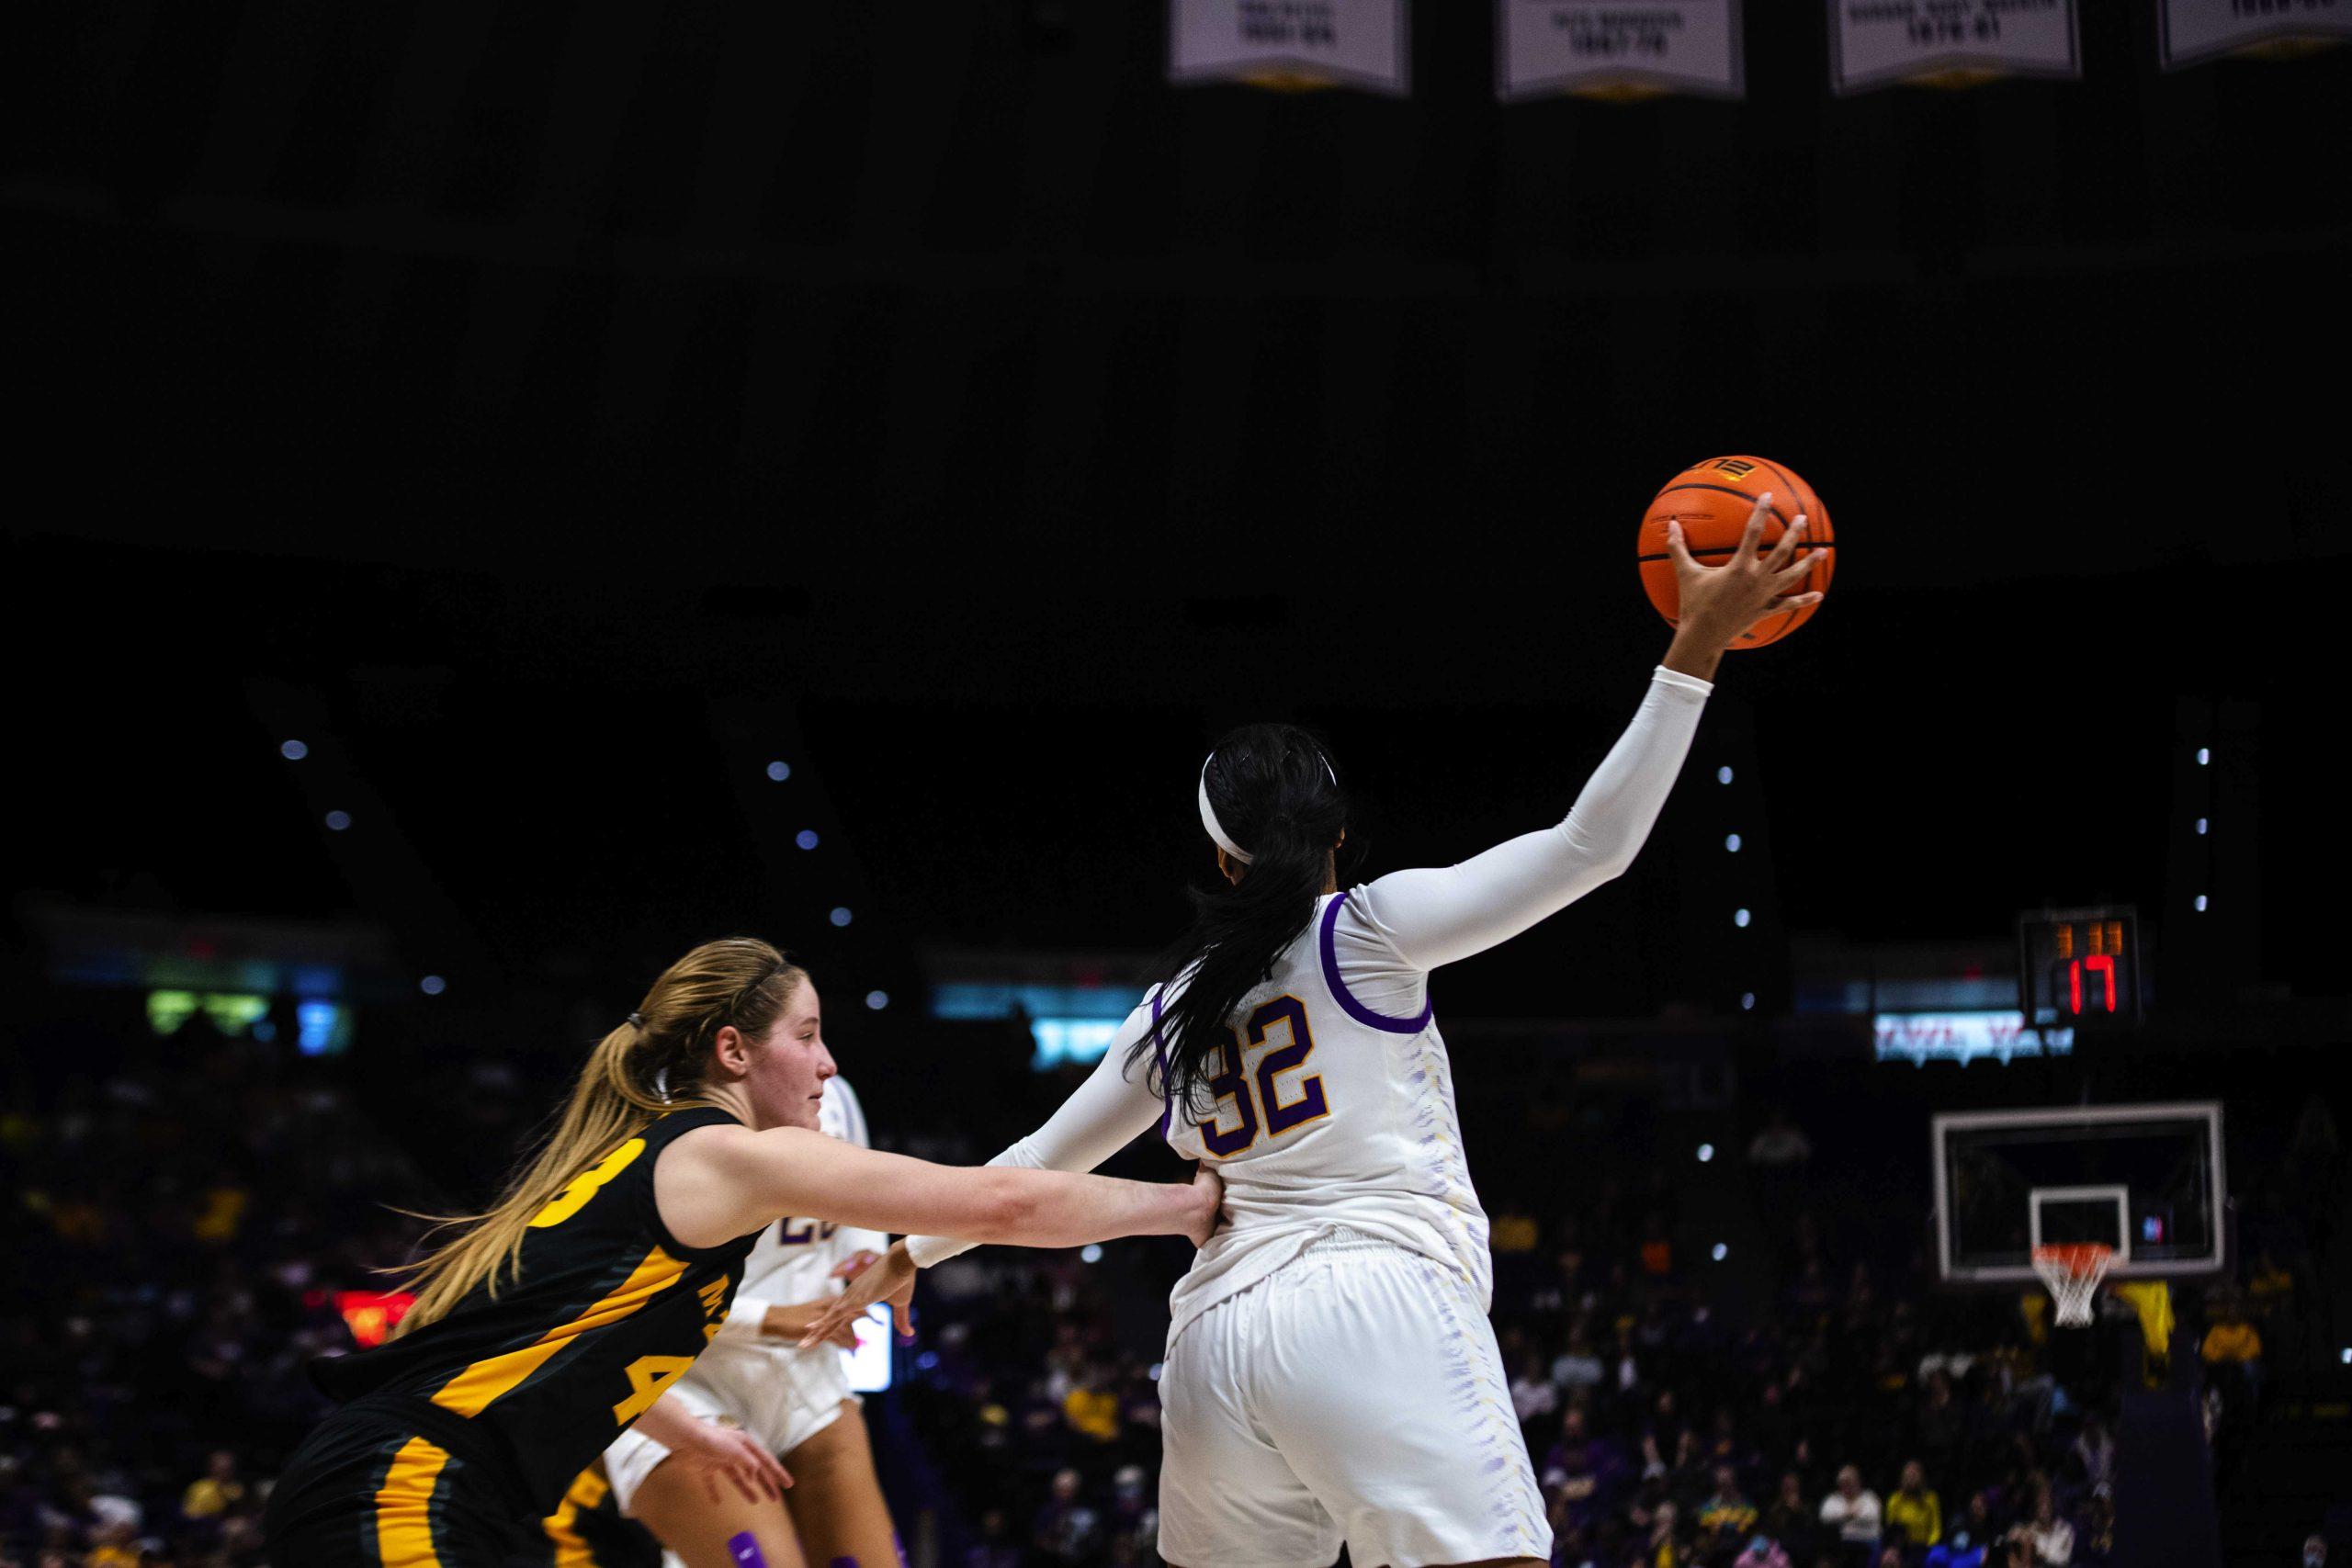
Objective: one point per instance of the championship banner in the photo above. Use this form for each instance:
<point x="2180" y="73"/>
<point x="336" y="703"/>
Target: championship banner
<point x="1949" y="43"/>
<point x="2193" y="31"/>
<point x="1618" y="49"/>
<point x="1291" y="43"/>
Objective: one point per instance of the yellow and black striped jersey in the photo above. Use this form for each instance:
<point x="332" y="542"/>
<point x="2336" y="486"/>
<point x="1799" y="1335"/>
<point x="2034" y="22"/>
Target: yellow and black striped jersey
<point x="605" y="1311"/>
<point x="588" y="1530"/>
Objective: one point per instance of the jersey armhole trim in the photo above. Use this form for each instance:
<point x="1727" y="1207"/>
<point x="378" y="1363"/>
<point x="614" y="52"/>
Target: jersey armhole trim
<point x="702" y="1116"/>
<point x="1355" y="1008"/>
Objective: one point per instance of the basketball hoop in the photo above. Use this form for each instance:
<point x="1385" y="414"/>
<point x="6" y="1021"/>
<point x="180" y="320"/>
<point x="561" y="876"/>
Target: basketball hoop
<point x="2073" y="1273"/>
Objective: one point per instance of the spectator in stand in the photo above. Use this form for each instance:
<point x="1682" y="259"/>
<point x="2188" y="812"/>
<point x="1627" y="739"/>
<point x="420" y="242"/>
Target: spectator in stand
<point x="216" y="1490"/>
<point x="1580" y="1477"/>
<point x="1579" y="1367"/>
<point x="1964" y="1547"/>
<point x="1665" y="1545"/>
<point x="1135" y="1518"/>
<point x="1067" y="1532"/>
<point x="1915" y="1515"/>
<point x="2233" y="1356"/>
<point x="1791" y="1521"/>
<point x="115" y="1546"/>
<point x="2094" y="1451"/>
<point x="2315" y="1551"/>
<point x="1532" y="1395"/>
<point x="1724" y="1517"/>
<point x="996" y="1548"/>
<point x="2095" y="1541"/>
<point x="2051" y="1537"/>
<point x="1852" y="1511"/>
<point x="1978" y="1521"/>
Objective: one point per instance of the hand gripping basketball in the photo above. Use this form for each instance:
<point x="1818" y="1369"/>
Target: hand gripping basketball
<point x="1720" y="603"/>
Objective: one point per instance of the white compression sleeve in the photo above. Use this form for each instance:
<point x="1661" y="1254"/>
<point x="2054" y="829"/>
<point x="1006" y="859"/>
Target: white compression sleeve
<point x="1441" y="916"/>
<point x="1098" y="1121"/>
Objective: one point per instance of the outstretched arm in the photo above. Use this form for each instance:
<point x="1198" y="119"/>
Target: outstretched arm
<point x="716" y="1183"/>
<point x="1101" y="1118"/>
<point x="1442" y="916"/>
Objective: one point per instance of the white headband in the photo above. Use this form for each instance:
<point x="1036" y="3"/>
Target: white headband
<point x="1208" y="816"/>
<point x="1216" y="829"/>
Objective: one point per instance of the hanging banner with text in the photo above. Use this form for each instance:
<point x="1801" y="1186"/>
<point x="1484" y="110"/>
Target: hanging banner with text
<point x="2193" y="31"/>
<point x="1291" y="43"/>
<point x="1874" y="43"/>
<point x="1618" y="49"/>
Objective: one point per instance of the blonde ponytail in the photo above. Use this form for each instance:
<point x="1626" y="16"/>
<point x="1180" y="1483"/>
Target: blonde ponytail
<point x="653" y="1063"/>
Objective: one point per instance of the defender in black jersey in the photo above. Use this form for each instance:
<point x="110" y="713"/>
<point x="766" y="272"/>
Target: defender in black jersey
<point x="462" y="1433"/>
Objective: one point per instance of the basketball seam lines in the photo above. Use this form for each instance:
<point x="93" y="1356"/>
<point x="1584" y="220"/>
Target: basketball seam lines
<point x="1829" y="544"/>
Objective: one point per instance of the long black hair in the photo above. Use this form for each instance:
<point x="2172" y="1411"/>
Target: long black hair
<point x="1276" y="794"/>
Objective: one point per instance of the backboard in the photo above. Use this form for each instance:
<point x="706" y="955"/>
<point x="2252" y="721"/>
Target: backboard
<point x="2146" y="1181"/>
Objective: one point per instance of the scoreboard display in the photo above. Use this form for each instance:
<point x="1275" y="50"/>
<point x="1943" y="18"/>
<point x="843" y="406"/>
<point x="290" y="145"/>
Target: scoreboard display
<point x="2074" y="965"/>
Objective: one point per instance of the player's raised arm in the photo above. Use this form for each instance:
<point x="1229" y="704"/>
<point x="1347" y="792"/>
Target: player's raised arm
<point x="1441" y="916"/>
<point x="719" y="1182"/>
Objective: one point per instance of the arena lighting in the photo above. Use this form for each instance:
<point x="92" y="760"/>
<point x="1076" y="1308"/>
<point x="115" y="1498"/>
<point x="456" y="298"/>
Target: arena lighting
<point x="292" y="750"/>
<point x="1706" y="1153"/>
<point x="1090" y="1253"/>
<point x="1731" y="844"/>
<point x="231" y="1012"/>
<point x="370" y="1314"/>
<point x="2347" y="1354"/>
<point x="779" y="771"/>
<point x="1721" y="1252"/>
<point x="321" y="1028"/>
<point x="2204" y="756"/>
<point x="806" y="837"/>
<point x="839" y="915"/>
<point x="2201" y="827"/>
<point x="1747" y="1002"/>
<point x="1069" y="1040"/>
<point x="1739" y="918"/>
<point x="1722" y="774"/>
<point x="432" y="984"/>
<point x="878" y="1001"/>
<point x="338" y="820"/>
<point x="1159" y="1366"/>
<point x="2200" y="902"/>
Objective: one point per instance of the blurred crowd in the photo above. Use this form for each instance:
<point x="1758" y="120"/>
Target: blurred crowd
<point x="187" y="1223"/>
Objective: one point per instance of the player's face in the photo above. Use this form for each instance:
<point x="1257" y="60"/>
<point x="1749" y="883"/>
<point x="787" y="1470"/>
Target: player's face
<point x="785" y="1079"/>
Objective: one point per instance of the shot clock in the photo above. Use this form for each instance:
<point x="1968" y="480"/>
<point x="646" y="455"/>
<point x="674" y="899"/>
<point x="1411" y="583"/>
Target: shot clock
<point x="2074" y="965"/>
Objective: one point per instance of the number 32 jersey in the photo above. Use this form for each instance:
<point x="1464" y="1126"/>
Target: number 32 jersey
<point x="1329" y="1110"/>
<point x="605" y="1311"/>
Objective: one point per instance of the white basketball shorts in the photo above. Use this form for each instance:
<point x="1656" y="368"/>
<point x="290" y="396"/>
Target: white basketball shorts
<point x="780" y="1395"/>
<point x="1355" y="1394"/>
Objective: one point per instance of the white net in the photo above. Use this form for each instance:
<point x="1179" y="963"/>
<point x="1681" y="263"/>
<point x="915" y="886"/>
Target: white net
<point x="2073" y="1274"/>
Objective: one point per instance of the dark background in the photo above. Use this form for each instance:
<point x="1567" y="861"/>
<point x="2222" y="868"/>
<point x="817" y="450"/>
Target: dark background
<point x="562" y="410"/>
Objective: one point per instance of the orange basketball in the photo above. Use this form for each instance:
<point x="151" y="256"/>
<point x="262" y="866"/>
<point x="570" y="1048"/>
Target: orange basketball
<point x="1712" y="501"/>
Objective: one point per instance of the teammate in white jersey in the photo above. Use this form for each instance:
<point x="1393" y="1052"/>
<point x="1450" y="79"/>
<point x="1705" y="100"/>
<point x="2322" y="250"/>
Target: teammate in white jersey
<point x="795" y="1400"/>
<point x="1331" y="1373"/>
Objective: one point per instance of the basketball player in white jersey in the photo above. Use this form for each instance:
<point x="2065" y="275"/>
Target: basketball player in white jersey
<point x="1330" y="1372"/>
<point x="796" y="1402"/>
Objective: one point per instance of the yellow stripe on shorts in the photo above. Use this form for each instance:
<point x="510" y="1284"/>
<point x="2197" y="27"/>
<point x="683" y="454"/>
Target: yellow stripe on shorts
<point x="403" y="1507"/>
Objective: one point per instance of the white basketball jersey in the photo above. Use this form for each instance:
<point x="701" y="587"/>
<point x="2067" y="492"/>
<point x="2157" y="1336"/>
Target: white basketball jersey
<point x="1327" y="1114"/>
